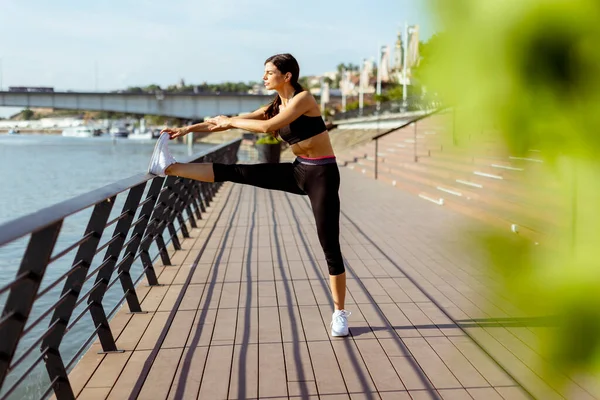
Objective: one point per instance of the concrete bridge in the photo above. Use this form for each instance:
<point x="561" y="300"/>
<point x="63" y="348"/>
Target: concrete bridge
<point x="187" y="105"/>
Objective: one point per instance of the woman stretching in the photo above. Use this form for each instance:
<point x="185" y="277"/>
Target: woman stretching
<point x="295" y="115"/>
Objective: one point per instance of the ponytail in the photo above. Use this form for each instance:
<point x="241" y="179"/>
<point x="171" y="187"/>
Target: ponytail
<point x="273" y="108"/>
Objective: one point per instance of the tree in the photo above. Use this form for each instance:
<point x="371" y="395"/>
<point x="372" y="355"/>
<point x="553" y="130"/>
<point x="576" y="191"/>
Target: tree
<point x="303" y="81"/>
<point x="27" y="114"/>
<point x="134" y="89"/>
<point x="152" y="88"/>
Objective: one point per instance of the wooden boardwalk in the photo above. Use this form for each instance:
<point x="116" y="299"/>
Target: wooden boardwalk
<point x="244" y="311"/>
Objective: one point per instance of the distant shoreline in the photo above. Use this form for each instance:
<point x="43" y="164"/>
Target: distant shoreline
<point x="26" y="131"/>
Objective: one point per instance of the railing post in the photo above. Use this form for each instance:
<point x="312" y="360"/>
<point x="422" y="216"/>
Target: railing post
<point x="169" y="214"/>
<point x="415" y="144"/>
<point x="376" y="156"/>
<point x="156" y="226"/>
<point x="72" y="288"/>
<point x="179" y="205"/>
<point x="125" y="277"/>
<point x="191" y="207"/>
<point x="201" y="196"/>
<point x="21" y="297"/>
<point x="105" y="335"/>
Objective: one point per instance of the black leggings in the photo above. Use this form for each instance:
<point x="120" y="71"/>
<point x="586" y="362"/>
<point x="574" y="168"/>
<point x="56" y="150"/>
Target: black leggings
<point x="320" y="182"/>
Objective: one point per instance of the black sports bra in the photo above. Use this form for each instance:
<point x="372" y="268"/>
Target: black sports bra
<point x="302" y="128"/>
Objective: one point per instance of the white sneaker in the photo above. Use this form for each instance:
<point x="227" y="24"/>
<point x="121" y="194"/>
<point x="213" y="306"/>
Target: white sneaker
<point x="161" y="157"/>
<point x="339" y="323"/>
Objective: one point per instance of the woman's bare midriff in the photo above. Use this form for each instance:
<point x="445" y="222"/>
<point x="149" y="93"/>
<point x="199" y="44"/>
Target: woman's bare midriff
<point x="314" y="147"/>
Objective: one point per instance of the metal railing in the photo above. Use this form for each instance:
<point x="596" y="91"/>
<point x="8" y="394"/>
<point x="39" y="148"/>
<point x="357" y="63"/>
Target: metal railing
<point x="413" y="103"/>
<point x="152" y="207"/>
<point x="414" y="122"/>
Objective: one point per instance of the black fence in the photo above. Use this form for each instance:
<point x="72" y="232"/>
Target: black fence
<point x="154" y="212"/>
<point x="413" y="103"/>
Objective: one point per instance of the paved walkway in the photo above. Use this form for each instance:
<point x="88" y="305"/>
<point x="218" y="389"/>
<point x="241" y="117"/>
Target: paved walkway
<point x="244" y="313"/>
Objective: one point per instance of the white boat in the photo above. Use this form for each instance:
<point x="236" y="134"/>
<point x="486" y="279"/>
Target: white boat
<point x="118" y="132"/>
<point x="78" y="131"/>
<point x="137" y="135"/>
<point x="13" y="132"/>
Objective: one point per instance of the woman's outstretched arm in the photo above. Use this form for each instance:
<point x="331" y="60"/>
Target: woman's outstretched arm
<point x="201" y="127"/>
<point x="302" y="103"/>
<point x="210" y="127"/>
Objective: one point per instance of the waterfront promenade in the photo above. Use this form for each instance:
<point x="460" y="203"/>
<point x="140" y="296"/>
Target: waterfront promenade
<point x="244" y="309"/>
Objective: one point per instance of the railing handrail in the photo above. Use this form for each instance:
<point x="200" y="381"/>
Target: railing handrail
<point x="412" y="103"/>
<point x="395" y="129"/>
<point x="45" y="217"/>
<point x="413" y="120"/>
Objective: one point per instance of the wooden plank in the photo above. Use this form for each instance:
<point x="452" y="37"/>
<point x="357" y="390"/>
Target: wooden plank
<point x="466" y="374"/>
<point x="436" y="370"/>
<point x="244" y="372"/>
<point x="181" y="325"/>
<point x="454" y="394"/>
<point x="484" y="365"/>
<point x="380" y="367"/>
<point x="85" y="368"/>
<point x="292" y="329"/>
<point x="202" y="328"/>
<point x="395" y="395"/>
<point x="158" y="383"/>
<point x="298" y="364"/>
<point x="269" y="329"/>
<point x="327" y="371"/>
<point x="356" y="375"/>
<point x="128" y="340"/>
<point x="398" y="320"/>
<point x="271" y="371"/>
<point x="510" y="393"/>
<point x="247" y="326"/>
<point x="123" y="387"/>
<point x="484" y="394"/>
<point x="153" y="332"/>
<point x="94" y="393"/>
<point x="314" y="330"/>
<point x="191" y="298"/>
<point x="109" y="370"/>
<point x="186" y="382"/>
<point x="215" y="381"/>
<point x="225" y="327"/>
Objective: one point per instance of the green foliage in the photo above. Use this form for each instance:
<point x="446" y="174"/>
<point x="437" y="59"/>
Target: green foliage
<point x="225" y="87"/>
<point x="531" y="69"/>
<point x="303" y="81"/>
<point x="268" y="139"/>
<point x="430" y="58"/>
<point x="347" y="67"/>
<point x="352" y="105"/>
<point x="394" y="92"/>
<point x="27" y="114"/>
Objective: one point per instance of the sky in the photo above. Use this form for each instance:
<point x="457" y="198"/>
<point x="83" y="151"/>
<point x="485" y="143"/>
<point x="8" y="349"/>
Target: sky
<point x="110" y="44"/>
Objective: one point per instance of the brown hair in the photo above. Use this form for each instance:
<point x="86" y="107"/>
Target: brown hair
<point x="285" y="63"/>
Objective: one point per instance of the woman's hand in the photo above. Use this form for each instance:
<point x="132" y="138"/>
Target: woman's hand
<point x="220" y="122"/>
<point x="175" y="132"/>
